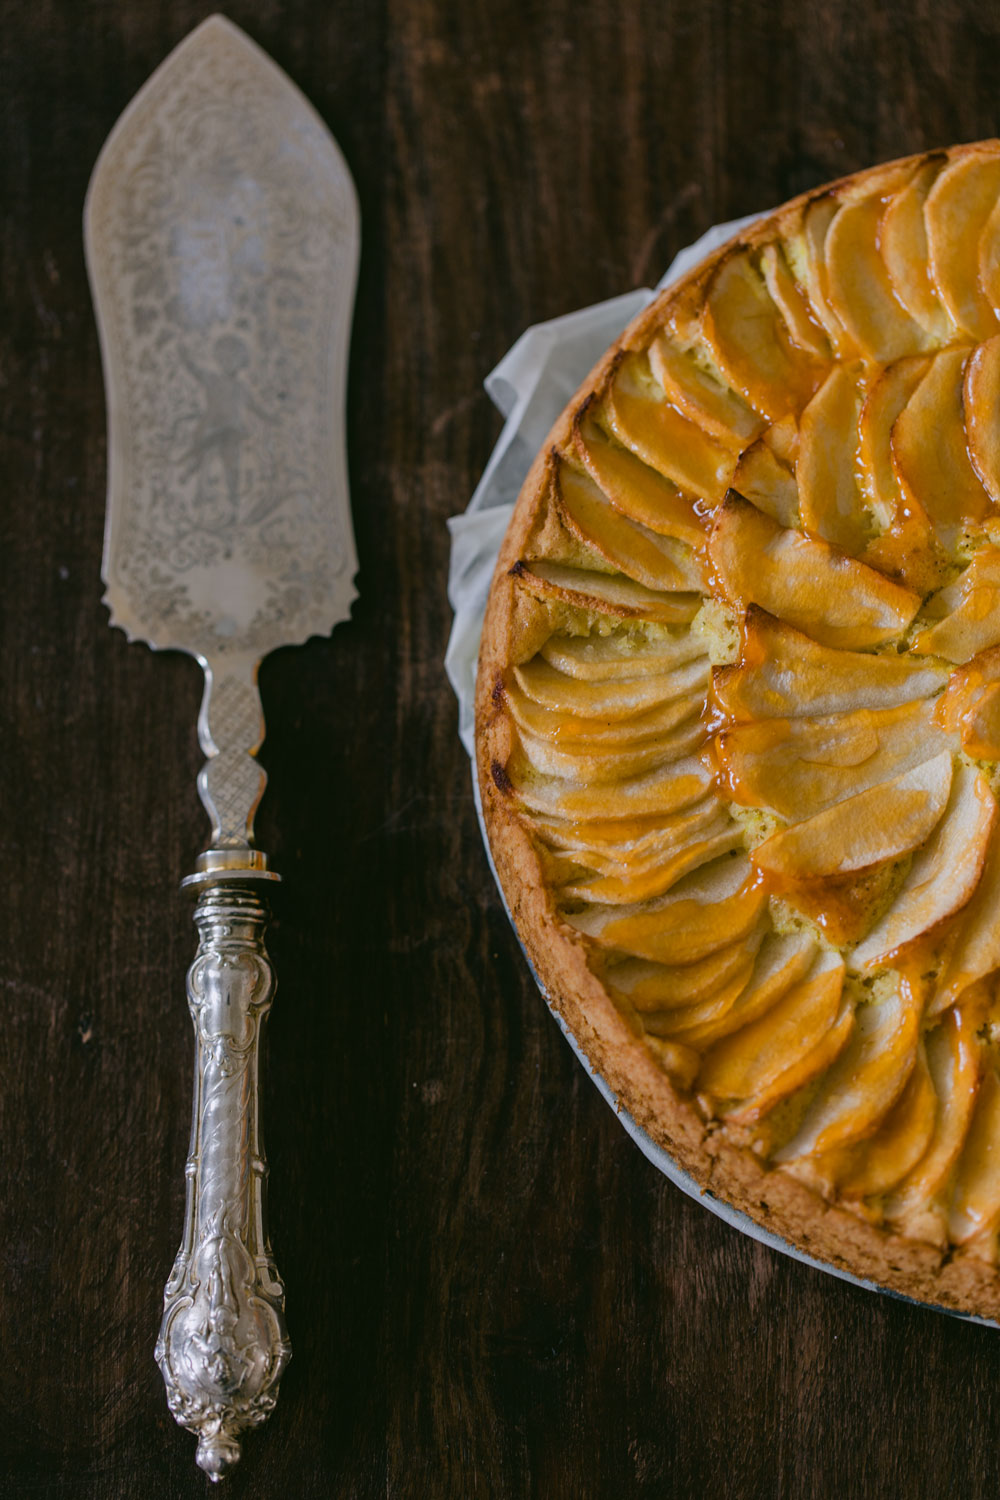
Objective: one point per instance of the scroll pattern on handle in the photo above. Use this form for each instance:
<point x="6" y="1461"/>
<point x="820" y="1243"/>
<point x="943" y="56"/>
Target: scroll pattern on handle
<point x="223" y="1343"/>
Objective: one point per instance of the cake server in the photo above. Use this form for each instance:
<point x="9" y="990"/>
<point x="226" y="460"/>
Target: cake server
<point x="221" y="232"/>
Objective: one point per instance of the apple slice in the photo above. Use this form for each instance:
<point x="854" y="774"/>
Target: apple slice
<point x="609" y="594"/>
<point x="981" y="726"/>
<point x="625" y="653"/>
<point x="816" y="221"/>
<point x="943" y="875"/>
<point x="880" y="1163"/>
<point x="957" y="708"/>
<point x="702" y="914"/>
<point x="977" y="947"/>
<point x="826" y="472"/>
<point x="612" y="698"/>
<point x="989" y="258"/>
<point x="832" y="598"/>
<point x="601" y="764"/>
<point x="929" y="449"/>
<point x="751" y="343"/>
<point x="782" y="963"/>
<point x="644" y="856"/>
<point x="903" y="243"/>
<point x="677" y="1021"/>
<point x="638" y="491"/>
<point x="767" y="482"/>
<point x="743" y="1065"/>
<point x="865" y="1081"/>
<point x="651" y="559"/>
<point x="806" y="1068"/>
<point x="885" y="822"/>
<point x="614" y="846"/>
<point x="956" y="212"/>
<point x="953" y="1061"/>
<point x="799" y="767"/>
<point x="657" y="987"/>
<point x="981" y="403"/>
<point x="793" y="304"/>
<point x="884" y="401"/>
<point x="643" y="420"/>
<point x="972" y="621"/>
<point x="975" y="1203"/>
<point x="586" y="733"/>
<point x="662" y="791"/>
<point x="783" y="674"/>
<point x="858" y="287"/>
<point x="700" y="397"/>
<point x="646" y="883"/>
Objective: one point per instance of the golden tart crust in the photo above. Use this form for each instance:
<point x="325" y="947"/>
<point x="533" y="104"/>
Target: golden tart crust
<point x="738" y="723"/>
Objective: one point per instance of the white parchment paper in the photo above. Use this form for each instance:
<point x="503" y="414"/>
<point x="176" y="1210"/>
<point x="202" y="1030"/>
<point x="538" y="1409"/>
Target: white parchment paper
<point x="530" y="386"/>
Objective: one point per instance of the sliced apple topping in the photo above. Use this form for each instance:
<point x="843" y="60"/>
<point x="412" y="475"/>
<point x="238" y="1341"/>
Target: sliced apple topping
<point x="635" y="652"/>
<point x="700" y="397"/>
<point x="799" y="767"/>
<point x="605" y="593"/>
<point x="976" y="950"/>
<point x="953" y="1061"/>
<point x="956" y="212"/>
<point x="703" y="913"/>
<point x="635" y="489"/>
<point x="879" y="1164"/>
<point x="751" y="343"/>
<point x="783" y="674"/>
<point x="975" y="1203"/>
<point x="971" y="610"/>
<point x="768" y="483"/>
<point x="981" y="405"/>
<point x="792" y="302"/>
<point x="903" y="243"/>
<point x="817" y="218"/>
<point x="930" y="453"/>
<point x="655" y="879"/>
<point x="744" y="1066"/>
<point x="650" y="987"/>
<point x="832" y="598"/>
<point x="826" y="472"/>
<point x="989" y="258"/>
<point x="653" y="560"/>
<point x="858" y="286"/>
<point x="611" y="698"/>
<point x="780" y="964"/>
<point x="643" y="420"/>
<point x="662" y="791"/>
<point x="885" y="822"/>
<point x="590" y="731"/>
<point x="601" y="763"/>
<point x="885" y="399"/>
<point x="943" y="875"/>
<point x="865" y="1081"/>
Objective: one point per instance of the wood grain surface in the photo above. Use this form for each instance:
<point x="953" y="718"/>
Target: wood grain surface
<point x="491" y="1293"/>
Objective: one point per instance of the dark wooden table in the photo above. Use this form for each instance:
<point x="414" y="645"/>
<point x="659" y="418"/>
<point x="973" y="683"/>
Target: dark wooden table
<point x="491" y="1292"/>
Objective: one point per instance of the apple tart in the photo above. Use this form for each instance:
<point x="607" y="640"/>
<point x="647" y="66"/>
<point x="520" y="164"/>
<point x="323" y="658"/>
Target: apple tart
<point x="738" y="723"/>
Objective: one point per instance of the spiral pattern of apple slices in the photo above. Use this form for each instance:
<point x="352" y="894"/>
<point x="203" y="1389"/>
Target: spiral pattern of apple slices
<point x="754" y="692"/>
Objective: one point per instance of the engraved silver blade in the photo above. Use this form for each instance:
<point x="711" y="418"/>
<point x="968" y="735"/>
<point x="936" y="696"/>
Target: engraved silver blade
<point x="221" y="232"/>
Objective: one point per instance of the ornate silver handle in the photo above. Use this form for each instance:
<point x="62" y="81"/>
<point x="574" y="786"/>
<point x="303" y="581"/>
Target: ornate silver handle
<point x="223" y="1343"/>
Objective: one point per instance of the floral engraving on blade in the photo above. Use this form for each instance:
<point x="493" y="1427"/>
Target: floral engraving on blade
<point x="222" y="230"/>
<point x="223" y="1343"/>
